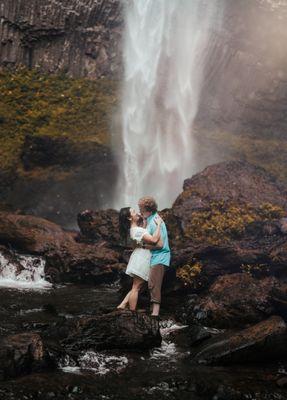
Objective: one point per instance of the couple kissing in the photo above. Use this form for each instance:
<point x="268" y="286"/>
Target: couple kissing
<point x="151" y="257"/>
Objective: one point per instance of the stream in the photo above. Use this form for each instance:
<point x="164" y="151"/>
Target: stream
<point x="164" y="372"/>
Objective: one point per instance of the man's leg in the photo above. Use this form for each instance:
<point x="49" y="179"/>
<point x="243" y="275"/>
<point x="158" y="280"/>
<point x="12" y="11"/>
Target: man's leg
<point x="154" y="285"/>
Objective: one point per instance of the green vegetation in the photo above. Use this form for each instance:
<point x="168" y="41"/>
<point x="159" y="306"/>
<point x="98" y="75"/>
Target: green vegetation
<point x="43" y="104"/>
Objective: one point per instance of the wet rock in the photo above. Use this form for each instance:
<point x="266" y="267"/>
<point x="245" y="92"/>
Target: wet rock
<point x="282" y="382"/>
<point x="7" y="256"/>
<point x="234" y="301"/>
<point x="21" y="354"/>
<point x="198" y="334"/>
<point x="100" y="225"/>
<point x="229" y="216"/>
<point x="283" y="225"/>
<point x="117" y="330"/>
<point x="66" y="259"/>
<point x="264" y="341"/>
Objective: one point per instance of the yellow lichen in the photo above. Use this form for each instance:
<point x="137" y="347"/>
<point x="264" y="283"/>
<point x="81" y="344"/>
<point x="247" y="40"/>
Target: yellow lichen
<point x="189" y="272"/>
<point x="223" y="221"/>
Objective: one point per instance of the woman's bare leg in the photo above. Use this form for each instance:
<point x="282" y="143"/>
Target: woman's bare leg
<point x="125" y="301"/>
<point x="133" y="298"/>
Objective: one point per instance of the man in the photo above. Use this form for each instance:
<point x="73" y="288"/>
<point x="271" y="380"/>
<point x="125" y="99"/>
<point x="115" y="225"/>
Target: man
<point x="160" y="258"/>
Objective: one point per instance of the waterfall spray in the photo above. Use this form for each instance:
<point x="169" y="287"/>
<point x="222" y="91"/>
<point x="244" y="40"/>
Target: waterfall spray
<point x="165" y="47"/>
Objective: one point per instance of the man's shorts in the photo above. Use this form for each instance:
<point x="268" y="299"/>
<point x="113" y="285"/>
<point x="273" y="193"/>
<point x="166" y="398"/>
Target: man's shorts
<point x="155" y="282"/>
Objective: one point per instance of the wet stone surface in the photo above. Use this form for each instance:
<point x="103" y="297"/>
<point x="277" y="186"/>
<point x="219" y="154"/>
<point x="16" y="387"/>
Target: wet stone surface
<point x="162" y="372"/>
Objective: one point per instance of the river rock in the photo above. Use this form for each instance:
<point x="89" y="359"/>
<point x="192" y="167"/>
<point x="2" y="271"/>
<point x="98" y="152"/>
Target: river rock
<point x="21" y="354"/>
<point x="236" y="300"/>
<point x="264" y="341"/>
<point x="66" y="259"/>
<point x="117" y="330"/>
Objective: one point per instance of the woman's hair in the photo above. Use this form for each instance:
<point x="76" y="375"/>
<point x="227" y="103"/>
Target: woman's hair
<point x="148" y="203"/>
<point x="124" y="222"/>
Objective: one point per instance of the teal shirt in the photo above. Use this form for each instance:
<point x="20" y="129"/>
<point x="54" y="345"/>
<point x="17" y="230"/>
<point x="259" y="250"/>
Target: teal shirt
<point x="160" y="256"/>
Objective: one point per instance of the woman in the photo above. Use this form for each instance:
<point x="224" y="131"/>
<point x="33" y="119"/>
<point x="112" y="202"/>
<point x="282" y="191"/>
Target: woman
<point x="139" y="262"/>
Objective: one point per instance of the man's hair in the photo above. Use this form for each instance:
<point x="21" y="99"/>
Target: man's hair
<point x="148" y="203"/>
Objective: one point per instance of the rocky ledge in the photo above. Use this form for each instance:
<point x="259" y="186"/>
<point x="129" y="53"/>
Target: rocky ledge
<point x="25" y="353"/>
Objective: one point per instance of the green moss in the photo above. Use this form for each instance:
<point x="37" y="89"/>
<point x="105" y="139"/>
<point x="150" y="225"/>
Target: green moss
<point x="43" y="104"/>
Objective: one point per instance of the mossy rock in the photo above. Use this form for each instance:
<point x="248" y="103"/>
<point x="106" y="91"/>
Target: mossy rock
<point x="52" y="105"/>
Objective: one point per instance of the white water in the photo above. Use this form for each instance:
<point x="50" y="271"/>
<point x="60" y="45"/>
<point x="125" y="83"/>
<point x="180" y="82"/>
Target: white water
<point x="96" y="362"/>
<point x="165" y="47"/>
<point x="31" y="276"/>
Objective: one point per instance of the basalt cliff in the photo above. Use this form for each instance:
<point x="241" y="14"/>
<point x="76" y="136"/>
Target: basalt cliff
<point x="80" y="38"/>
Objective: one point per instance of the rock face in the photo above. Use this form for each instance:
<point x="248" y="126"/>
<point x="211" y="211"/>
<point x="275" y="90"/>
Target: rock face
<point x="79" y="38"/>
<point x="263" y="341"/>
<point x="66" y="259"/>
<point x="20" y="354"/>
<point x="255" y="102"/>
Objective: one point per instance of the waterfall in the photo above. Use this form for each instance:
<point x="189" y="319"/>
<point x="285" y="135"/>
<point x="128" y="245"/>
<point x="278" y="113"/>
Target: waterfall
<point x="165" y="47"/>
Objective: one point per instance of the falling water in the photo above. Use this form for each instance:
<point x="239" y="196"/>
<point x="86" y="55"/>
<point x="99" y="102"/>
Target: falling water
<point x="165" y="48"/>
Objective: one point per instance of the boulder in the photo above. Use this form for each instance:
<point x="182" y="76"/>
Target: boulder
<point x="230" y="215"/>
<point x="99" y="225"/>
<point x="117" y="330"/>
<point x="236" y="181"/>
<point x="235" y="300"/>
<point x="66" y="259"/>
<point x="21" y="354"/>
<point x="264" y="341"/>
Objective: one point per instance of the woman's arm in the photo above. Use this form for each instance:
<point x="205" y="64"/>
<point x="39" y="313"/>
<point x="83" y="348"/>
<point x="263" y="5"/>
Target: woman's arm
<point x="153" y="239"/>
<point x="157" y="246"/>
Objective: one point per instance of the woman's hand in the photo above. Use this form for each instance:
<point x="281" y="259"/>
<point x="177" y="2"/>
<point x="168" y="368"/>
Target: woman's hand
<point x="158" y="220"/>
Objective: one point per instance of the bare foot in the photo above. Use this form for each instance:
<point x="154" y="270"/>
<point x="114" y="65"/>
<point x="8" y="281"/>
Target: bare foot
<point x="120" y="307"/>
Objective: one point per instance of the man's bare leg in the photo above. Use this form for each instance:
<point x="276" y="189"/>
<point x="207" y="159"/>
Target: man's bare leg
<point x="155" y="310"/>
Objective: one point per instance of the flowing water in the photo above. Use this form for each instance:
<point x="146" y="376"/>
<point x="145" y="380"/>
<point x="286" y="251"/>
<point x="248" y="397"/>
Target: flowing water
<point x="164" y="372"/>
<point x="166" y="43"/>
<point x="25" y="271"/>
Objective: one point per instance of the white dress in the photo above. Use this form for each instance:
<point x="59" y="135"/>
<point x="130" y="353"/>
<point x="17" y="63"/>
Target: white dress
<point x="139" y="262"/>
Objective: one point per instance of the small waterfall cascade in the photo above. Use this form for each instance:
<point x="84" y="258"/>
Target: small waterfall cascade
<point x="25" y="271"/>
<point x="165" y="48"/>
